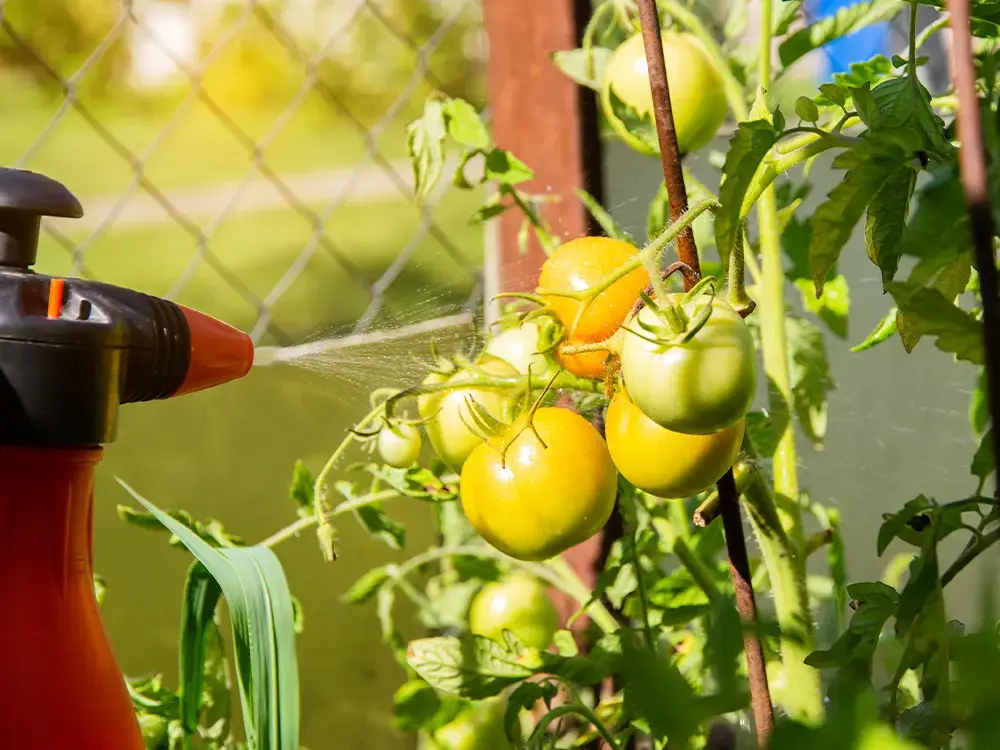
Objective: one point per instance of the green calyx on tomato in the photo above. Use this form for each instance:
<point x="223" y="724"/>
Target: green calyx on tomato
<point x="698" y="383"/>
<point x="662" y="462"/>
<point x="519" y="604"/>
<point x="541" y="488"/>
<point x="399" y="445"/>
<point x="447" y="416"/>
<point x="697" y="93"/>
<point x="480" y="726"/>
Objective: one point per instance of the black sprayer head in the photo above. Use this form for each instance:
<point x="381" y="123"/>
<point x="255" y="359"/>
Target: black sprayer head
<point x="72" y="350"/>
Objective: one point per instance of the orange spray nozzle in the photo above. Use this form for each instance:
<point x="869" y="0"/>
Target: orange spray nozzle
<point x="219" y="352"/>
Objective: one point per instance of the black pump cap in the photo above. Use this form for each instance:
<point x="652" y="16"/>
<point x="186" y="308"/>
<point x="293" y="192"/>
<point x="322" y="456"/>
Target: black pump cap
<point x="25" y="197"/>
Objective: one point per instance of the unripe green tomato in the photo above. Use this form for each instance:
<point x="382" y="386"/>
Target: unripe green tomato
<point x="448" y="430"/>
<point x="399" y="445"/>
<point x="698" y="387"/>
<point x="519" y="604"/>
<point x="478" y="727"/>
<point x="519" y="347"/>
<point x="697" y="94"/>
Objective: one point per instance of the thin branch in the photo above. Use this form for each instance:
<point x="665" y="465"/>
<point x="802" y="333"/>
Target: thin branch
<point x="972" y="161"/>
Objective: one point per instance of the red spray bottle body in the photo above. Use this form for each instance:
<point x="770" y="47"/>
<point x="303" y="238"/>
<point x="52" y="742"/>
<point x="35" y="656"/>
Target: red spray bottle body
<point x="72" y="351"/>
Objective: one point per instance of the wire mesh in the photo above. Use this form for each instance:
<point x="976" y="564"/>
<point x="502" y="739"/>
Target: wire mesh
<point x="246" y="156"/>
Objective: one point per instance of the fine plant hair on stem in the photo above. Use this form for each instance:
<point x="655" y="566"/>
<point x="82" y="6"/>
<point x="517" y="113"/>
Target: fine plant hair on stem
<point x="688" y="254"/>
<point x="972" y="162"/>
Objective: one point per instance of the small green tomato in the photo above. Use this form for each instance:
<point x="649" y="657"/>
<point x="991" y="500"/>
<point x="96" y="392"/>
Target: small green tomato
<point x="519" y="604"/>
<point x="399" y="445"/>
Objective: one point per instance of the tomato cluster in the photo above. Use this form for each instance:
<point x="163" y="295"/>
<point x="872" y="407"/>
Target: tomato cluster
<point x="539" y="479"/>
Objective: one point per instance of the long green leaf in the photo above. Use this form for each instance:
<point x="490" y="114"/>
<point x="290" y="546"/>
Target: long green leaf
<point x="201" y="595"/>
<point x="260" y="607"/>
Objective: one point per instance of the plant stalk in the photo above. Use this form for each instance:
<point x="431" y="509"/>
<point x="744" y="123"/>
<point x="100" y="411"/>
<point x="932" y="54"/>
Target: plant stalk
<point x="688" y="253"/>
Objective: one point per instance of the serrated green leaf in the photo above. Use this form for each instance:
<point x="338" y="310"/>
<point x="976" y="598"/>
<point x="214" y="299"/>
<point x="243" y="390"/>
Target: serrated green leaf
<point x="787" y="16"/>
<point x="642" y="126"/>
<point x="260" y="609"/>
<point x="473" y="667"/>
<point x="465" y="125"/>
<point x="886" y="221"/>
<point x="809" y="371"/>
<point x="846" y="20"/>
<point x="927" y="312"/>
<point x="868" y="168"/>
<point x="895" y="523"/>
<point x="747" y="148"/>
<point x="833" y="93"/>
<point x="861" y="97"/>
<point x="902" y="113"/>
<point x="523" y="698"/>
<point x="584" y="70"/>
<point x="506" y="168"/>
<point x="367" y="585"/>
<point x="871" y="71"/>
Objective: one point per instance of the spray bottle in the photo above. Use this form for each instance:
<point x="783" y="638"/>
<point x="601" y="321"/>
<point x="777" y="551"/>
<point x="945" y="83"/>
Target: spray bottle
<point x="72" y="351"/>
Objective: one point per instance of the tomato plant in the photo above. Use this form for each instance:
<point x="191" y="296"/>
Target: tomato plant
<point x="523" y="473"/>
<point x="699" y="386"/>
<point x="696" y="91"/>
<point x="519" y="496"/>
<point x="662" y="462"/>
<point x="519" y="604"/>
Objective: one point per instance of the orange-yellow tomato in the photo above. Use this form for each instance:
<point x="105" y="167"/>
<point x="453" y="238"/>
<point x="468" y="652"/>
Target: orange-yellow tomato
<point x="585" y="364"/>
<point x="542" y="496"/>
<point x="580" y="264"/>
<point x="662" y="462"/>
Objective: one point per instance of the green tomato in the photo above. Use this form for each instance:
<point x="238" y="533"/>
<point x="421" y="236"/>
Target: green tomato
<point x="478" y="727"/>
<point x="699" y="387"/>
<point x="519" y="347"/>
<point x="697" y="95"/>
<point x="448" y="413"/>
<point x="518" y="604"/>
<point x="154" y="731"/>
<point x="399" y="445"/>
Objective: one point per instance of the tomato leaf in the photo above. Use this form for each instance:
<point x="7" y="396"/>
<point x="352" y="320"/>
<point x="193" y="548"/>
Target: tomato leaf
<point x="583" y="69"/>
<point x="885" y="329"/>
<point x="649" y="674"/>
<point x="425" y="147"/>
<point x="982" y="462"/>
<point x="854" y="651"/>
<point x="465" y="126"/>
<point x="846" y="20"/>
<point x="789" y="14"/>
<point x="811" y="381"/>
<point x="896" y="522"/>
<point x="868" y="166"/>
<point x="832" y="307"/>
<point x="642" y="127"/>
<point x="506" y="168"/>
<point x="473" y="667"/>
<point x="806" y="109"/>
<point x="833" y="93"/>
<point x="886" y="221"/>
<point x="926" y="311"/>
<point x="416" y="705"/>
<point x="747" y="148"/>
<point x="301" y="490"/>
<point x="524" y="697"/>
<point x="903" y="114"/>
<point x="871" y="71"/>
<point x="979" y="412"/>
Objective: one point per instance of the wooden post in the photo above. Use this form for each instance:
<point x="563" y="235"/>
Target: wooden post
<point x="551" y="124"/>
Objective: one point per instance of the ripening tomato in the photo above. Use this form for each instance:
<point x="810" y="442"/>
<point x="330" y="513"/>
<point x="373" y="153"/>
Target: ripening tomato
<point x="399" y="445"/>
<point x="701" y="386"/>
<point x="542" y="496"/>
<point x="448" y="429"/>
<point x="697" y="94"/>
<point x="519" y="346"/>
<point x="519" y="604"/>
<point x="662" y="462"/>
<point x="585" y="364"/>
<point x="478" y="727"/>
<point x="579" y="264"/>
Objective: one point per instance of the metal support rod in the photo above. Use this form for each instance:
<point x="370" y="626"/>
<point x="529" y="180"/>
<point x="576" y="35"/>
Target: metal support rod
<point x="739" y="562"/>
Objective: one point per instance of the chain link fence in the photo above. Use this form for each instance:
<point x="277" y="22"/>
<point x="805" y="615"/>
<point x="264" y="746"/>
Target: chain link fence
<point x="247" y="156"/>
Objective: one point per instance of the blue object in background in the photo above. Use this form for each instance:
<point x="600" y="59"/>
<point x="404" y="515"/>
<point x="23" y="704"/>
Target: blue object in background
<point x="861" y="45"/>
